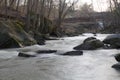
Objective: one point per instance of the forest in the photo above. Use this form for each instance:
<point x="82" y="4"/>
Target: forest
<point x="43" y="18"/>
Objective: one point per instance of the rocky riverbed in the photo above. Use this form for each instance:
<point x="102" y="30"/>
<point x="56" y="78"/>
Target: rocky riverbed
<point x="92" y="65"/>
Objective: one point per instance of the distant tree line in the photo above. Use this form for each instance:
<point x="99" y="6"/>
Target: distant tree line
<point x="115" y="11"/>
<point x="39" y="13"/>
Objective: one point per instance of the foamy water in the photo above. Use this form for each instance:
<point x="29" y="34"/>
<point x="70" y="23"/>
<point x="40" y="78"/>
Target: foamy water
<point x="93" y="65"/>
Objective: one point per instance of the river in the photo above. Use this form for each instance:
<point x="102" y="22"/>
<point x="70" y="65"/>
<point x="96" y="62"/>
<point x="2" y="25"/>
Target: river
<point x="93" y="65"/>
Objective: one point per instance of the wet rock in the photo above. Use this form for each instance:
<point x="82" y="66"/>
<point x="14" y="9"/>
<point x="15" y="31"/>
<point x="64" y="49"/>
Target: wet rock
<point x="26" y="54"/>
<point x="73" y="53"/>
<point x="7" y="42"/>
<point x="46" y="51"/>
<point x="12" y="35"/>
<point x="113" y="40"/>
<point x="117" y="57"/>
<point x="39" y="38"/>
<point x="107" y="46"/>
<point x="88" y="39"/>
<point x="116" y="66"/>
<point x="94" y="34"/>
<point x="90" y="45"/>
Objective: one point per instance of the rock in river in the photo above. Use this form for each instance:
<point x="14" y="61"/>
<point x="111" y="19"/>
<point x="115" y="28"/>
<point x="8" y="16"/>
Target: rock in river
<point x="27" y="54"/>
<point x="73" y="53"/>
<point x="88" y="39"/>
<point x="46" y="51"/>
<point x="116" y="66"/>
<point x="91" y="44"/>
<point x="117" y="57"/>
<point x="113" y="40"/>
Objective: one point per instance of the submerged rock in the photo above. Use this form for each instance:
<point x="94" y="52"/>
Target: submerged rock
<point x="116" y="66"/>
<point x="117" y="57"/>
<point x="73" y="53"/>
<point x="26" y="54"/>
<point x="113" y="40"/>
<point x="46" y="51"/>
<point x="90" y="45"/>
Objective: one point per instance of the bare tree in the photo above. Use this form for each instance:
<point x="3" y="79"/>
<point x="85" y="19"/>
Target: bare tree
<point x="86" y="10"/>
<point x="28" y="15"/>
<point x="115" y="11"/>
<point x="63" y="8"/>
<point x="37" y="13"/>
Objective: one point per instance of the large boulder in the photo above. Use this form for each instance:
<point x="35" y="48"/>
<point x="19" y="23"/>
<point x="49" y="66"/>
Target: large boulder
<point x="117" y="57"/>
<point x="7" y="42"/>
<point x="90" y="45"/>
<point x="73" y="53"/>
<point x="116" y="66"/>
<point x="88" y="39"/>
<point x="113" y="40"/>
<point x="12" y="35"/>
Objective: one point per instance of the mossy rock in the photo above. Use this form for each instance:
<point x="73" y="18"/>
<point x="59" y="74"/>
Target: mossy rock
<point x="14" y="32"/>
<point x="8" y="42"/>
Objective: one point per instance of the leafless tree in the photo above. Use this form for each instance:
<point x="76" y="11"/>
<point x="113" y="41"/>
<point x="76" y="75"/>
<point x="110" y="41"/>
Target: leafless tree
<point x="115" y="11"/>
<point x="36" y="12"/>
<point x="63" y="8"/>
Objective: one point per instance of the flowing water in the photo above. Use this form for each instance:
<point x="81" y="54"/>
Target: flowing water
<point x="93" y="65"/>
